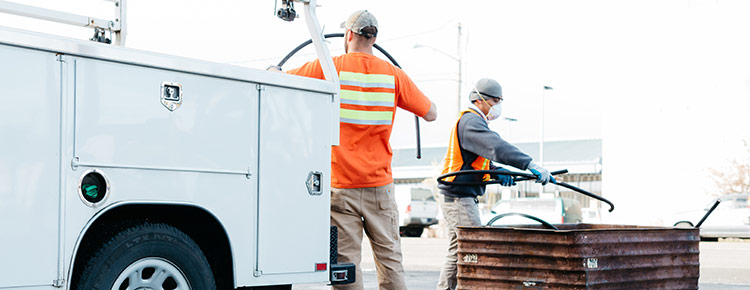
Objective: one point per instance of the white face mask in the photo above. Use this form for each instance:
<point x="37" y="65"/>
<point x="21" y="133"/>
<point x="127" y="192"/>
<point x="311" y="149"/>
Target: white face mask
<point x="495" y="112"/>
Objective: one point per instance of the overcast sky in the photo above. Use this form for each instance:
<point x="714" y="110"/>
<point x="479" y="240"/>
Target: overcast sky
<point x="666" y="84"/>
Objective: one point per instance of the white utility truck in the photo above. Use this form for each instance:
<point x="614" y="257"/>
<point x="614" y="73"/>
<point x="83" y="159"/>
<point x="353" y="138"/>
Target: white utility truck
<point x="125" y="169"/>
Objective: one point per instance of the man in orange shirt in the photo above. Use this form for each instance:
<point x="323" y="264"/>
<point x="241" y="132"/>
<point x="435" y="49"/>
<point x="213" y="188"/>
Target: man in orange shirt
<point x="362" y="195"/>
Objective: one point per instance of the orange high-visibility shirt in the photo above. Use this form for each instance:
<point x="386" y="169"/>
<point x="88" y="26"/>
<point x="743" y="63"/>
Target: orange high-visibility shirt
<point x="371" y="89"/>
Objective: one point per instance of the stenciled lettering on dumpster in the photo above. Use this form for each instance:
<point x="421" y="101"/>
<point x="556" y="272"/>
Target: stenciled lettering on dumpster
<point x="470" y="258"/>
<point x="591" y="263"/>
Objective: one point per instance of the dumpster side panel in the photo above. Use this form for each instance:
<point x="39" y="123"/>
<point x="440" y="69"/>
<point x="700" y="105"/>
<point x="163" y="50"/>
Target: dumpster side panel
<point x="587" y="257"/>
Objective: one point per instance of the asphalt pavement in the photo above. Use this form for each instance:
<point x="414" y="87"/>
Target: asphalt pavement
<point x="724" y="265"/>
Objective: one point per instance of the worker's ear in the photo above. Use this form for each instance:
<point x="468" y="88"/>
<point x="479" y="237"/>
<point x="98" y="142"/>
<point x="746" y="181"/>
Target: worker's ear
<point x="348" y="35"/>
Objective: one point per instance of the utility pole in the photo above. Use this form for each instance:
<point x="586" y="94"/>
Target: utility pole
<point x="458" y="58"/>
<point x="460" y="80"/>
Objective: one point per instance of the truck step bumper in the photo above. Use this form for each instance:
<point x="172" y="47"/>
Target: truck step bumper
<point x="343" y="274"/>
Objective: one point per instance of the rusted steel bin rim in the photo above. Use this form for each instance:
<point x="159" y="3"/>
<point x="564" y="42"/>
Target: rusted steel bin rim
<point x="571" y="228"/>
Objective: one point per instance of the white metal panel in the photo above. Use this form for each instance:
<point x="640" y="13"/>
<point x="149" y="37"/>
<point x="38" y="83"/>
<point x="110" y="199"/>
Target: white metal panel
<point x="120" y="120"/>
<point x="295" y="139"/>
<point x="29" y="166"/>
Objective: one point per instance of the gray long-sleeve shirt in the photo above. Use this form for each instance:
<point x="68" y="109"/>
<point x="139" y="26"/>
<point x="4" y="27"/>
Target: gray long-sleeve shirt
<point x="476" y="139"/>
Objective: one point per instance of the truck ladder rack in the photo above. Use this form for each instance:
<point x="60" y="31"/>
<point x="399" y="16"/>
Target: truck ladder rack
<point x="117" y="26"/>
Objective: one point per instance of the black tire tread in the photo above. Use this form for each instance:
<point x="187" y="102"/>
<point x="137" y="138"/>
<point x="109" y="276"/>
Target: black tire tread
<point x="91" y="269"/>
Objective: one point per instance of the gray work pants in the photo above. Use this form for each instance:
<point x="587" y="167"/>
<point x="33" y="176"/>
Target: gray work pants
<point x="456" y="212"/>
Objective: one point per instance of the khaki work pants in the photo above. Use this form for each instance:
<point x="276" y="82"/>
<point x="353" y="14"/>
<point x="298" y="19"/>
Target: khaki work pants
<point x="457" y="212"/>
<point x="372" y="210"/>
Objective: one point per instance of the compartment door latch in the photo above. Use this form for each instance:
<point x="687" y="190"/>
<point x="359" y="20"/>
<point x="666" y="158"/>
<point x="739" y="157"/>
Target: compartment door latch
<point x="314" y="186"/>
<point x="171" y="95"/>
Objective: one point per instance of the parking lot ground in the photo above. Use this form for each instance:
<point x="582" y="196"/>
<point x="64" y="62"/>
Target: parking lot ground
<point x="725" y="265"/>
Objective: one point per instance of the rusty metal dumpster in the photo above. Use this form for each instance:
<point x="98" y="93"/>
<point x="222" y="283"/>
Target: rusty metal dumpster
<point x="578" y="256"/>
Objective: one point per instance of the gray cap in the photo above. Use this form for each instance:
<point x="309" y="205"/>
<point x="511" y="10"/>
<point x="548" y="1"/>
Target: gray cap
<point x="358" y="21"/>
<point x="486" y="87"/>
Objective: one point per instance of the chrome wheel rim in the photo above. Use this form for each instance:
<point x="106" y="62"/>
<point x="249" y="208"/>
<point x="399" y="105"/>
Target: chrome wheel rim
<point x="151" y="274"/>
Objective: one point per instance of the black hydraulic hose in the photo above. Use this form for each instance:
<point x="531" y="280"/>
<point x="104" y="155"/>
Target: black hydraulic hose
<point x="541" y="221"/>
<point x="301" y="46"/>
<point x="523" y="176"/>
<point x="713" y="207"/>
<point x="589" y="194"/>
<point x="331" y="35"/>
<point x="419" y="142"/>
<point x="416" y="118"/>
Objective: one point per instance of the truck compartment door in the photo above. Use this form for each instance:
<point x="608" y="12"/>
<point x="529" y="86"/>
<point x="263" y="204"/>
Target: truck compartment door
<point x="29" y="166"/>
<point x="294" y="180"/>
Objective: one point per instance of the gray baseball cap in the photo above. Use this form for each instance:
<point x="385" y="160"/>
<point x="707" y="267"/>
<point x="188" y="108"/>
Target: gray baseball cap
<point x="358" y="21"/>
<point x="486" y="87"/>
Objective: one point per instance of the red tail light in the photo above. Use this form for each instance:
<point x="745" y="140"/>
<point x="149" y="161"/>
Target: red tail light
<point x="408" y="208"/>
<point x="321" y="267"/>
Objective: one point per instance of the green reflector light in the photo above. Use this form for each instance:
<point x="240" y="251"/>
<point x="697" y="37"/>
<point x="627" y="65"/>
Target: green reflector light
<point x="90" y="190"/>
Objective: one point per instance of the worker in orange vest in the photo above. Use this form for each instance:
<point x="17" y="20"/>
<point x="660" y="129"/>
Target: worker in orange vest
<point x="362" y="194"/>
<point x="473" y="146"/>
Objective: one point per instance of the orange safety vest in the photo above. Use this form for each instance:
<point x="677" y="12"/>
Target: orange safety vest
<point x="453" y="159"/>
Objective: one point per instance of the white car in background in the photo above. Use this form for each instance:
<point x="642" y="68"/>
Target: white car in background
<point x="417" y="209"/>
<point x="731" y="219"/>
<point x="591" y="215"/>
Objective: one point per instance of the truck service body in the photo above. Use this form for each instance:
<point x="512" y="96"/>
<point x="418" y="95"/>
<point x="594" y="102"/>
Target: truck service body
<point x="209" y="149"/>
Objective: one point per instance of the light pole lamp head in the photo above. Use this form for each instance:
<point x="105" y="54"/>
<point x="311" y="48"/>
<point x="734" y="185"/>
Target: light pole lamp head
<point x="456" y="58"/>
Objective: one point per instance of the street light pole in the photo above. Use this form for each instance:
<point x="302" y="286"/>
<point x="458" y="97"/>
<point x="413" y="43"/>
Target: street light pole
<point x="541" y="138"/>
<point x="457" y="58"/>
<point x="507" y="127"/>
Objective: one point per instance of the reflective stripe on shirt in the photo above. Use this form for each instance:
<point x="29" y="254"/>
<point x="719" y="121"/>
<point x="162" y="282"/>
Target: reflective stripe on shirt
<point x="366" y="117"/>
<point x="367" y="98"/>
<point x="367" y="80"/>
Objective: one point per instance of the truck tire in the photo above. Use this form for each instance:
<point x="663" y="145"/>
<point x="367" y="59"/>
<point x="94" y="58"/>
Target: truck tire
<point x="148" y="256"/>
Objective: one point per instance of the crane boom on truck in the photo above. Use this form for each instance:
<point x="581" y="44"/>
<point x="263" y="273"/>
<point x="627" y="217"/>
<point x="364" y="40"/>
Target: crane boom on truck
<point x="126" y="169"/>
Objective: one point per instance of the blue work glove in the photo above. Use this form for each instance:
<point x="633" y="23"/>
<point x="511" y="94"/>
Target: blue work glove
<point x="505" y="180"/>
<point x="542" y="174"/>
